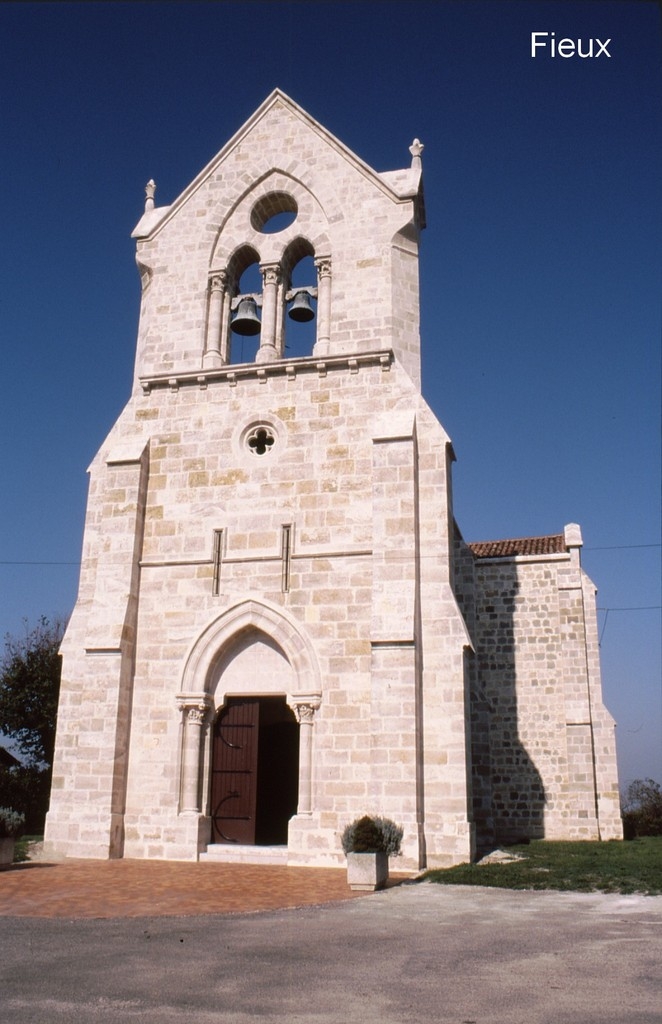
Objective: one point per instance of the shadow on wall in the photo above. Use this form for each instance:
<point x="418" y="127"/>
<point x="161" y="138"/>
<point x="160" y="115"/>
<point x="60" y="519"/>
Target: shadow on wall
<point x="508" y="793"/>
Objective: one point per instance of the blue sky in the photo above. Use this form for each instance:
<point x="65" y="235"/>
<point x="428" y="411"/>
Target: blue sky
<point x="540" y="265"/>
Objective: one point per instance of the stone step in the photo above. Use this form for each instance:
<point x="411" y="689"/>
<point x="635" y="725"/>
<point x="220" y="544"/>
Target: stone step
<point x="224" y="853"/>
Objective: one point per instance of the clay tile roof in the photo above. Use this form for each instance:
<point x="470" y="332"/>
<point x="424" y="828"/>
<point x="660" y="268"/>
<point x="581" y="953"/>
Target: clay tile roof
<point x="551" y="545"/>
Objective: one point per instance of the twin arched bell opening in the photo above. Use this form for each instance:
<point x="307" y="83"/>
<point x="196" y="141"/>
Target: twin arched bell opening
<point x="246" y="321"/>
<point x="301" y="310"/>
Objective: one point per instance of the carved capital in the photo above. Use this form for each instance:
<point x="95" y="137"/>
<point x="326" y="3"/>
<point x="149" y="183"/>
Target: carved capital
<point x="305" y="708"/>
<point x="195" y="708"/>
<point x="196" y="716"/>
<point x="219" y="281"/>
<point x="271" y="273"/>
<point x="323" y="265"/>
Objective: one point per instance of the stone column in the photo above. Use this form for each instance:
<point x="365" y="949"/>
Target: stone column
<point x="226" y="316"/>
<point x="195" y="713"/>
<point x="279" y="340"/>
<point x="323" y="342"/>
<point x="217" y="323"/>
<point x="267" y="351"/>
<point x="304" y="709"/>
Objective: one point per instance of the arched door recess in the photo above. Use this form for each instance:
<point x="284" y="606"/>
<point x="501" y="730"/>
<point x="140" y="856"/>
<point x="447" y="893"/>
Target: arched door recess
<point x="253" y="653"/>
<point x="255" y="750"/>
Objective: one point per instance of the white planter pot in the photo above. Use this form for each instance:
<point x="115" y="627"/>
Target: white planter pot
<point x="6" y="852"/>
<point x="367" y="871"/>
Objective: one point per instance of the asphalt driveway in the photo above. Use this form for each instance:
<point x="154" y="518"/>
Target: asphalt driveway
<point x="417" y="953"/>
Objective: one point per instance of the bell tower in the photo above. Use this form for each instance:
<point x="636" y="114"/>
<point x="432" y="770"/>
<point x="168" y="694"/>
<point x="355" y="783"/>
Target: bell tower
<point x="308" y="232"/>
<point x="269" y="528"/>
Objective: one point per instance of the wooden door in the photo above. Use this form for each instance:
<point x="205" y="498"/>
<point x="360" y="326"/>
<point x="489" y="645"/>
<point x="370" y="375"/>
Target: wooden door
<point x="234" y="772"/>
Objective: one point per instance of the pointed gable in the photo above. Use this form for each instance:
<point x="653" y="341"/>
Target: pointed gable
<point x="267" y="124"/>
<point x="363" y="224"/>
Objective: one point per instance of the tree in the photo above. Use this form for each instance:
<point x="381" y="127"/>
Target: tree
<point x="642" y="809"/>
<point x="29" y="689"/>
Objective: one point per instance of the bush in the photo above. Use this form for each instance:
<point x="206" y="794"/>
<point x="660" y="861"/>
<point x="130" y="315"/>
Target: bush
<point x="29" y="687"/>
<point x="27" y="790"/>
<point x="372" y="835"/>
<point x="391" y="836"/>
<point x="12" y="823"/>
<point x="642" y="809"/>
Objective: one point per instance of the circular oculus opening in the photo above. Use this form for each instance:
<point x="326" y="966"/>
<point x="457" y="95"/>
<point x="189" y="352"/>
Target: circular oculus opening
<point x="274" y="213"/>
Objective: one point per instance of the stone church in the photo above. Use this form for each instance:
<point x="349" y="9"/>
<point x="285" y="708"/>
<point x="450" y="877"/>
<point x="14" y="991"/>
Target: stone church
<point x="279" y="625"/>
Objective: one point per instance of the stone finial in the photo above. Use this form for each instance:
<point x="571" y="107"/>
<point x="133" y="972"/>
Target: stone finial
<point x="416" y="149"/>
<point x="150" y="189"/>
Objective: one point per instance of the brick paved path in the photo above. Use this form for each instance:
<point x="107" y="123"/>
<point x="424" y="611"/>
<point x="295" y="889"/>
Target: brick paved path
<point x="139" y="888"/>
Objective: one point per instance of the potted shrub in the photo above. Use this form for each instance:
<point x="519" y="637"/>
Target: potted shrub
<point x="11" y="827"/>
<point x="368" y="843"/>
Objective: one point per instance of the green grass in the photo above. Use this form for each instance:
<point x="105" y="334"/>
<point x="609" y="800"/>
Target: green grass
<point x="21" y="847"/>
<point x="625" y="867"/>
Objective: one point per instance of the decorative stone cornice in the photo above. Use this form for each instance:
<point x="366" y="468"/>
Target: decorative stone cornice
<point x="236" y="372"/>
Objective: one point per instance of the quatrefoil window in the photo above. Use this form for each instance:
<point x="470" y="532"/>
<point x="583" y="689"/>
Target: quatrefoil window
<point x="260" y="441"/>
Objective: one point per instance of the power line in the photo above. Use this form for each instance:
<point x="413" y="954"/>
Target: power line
<point x="623" y="547"/>
<point x="616" y="547"/>
<point x="634" y="608"/>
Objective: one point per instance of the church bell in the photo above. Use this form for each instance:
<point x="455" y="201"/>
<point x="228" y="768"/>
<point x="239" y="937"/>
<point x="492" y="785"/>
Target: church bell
<point x="246" y="321"/>
<point x="301" y="310"/>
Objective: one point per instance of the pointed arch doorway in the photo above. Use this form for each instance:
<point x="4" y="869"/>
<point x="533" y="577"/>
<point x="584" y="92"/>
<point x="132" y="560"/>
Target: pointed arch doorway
<point x="254" y="785"/>
<point x="254" y="771"/>
<point x="253" y="652"/>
